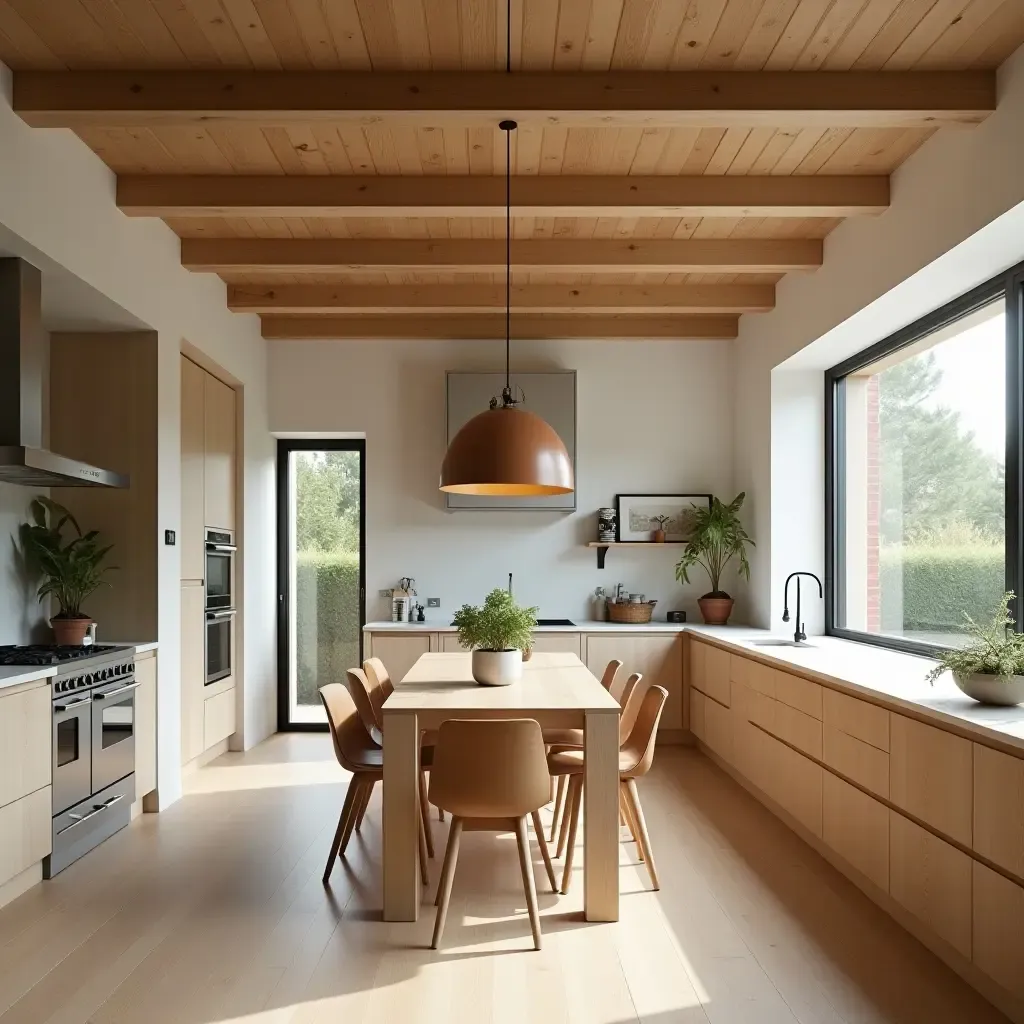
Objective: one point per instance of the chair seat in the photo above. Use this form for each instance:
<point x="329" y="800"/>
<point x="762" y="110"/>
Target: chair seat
<point x="563" y="737"/>
<point x="371" y="759"/>
<point x="570" y="762"/>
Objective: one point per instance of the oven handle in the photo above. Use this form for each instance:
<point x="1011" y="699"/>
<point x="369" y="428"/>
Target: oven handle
<point x="115" y="693"/>
<point x="78" y="819"/>
<point x="72" y="704"/>
<point x="226" y="614"/>
<point x="226" y="548"/>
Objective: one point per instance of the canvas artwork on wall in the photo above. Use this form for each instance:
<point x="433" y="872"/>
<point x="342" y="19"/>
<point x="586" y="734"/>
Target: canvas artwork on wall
<point x="641" y="514"/>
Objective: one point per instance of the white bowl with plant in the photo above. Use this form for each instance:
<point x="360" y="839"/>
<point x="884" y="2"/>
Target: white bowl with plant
<point x="497" y="634"/>
<point x="990" y="669"/>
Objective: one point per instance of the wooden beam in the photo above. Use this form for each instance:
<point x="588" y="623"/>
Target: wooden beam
<point x="305" y="300"/>
<point x="489" y="327"/>
<point x="532" y="196"/>
<point x="327" y="255"/>
<point x="777" y="99"/>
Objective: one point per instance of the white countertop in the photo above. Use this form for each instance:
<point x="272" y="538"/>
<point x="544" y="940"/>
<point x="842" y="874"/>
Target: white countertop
<point x="141" y="647"/>
<point x="13" y="675"/>
<point x="579" y="626"/>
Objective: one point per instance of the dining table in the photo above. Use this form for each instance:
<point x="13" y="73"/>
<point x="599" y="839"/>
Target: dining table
<point x="558" y="691"/>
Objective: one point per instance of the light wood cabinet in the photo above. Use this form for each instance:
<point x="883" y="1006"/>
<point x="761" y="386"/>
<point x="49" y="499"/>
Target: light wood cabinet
<point x="698" y="718"/>
<point x="400" y="651"/>
<point x="711" y="671"/>
<point x="798" y="693"/>
<point x="218" y="717"/>
<point x="25" y="833"/>
<point x="999" y="810"/>
<point x="449" y="643"/>
<point x="193" y="671"/>
<point x="867" y="722"/>
<point x="932" y="880"/>
<point x="219" y="454"/>
<point x="193" y="488"/>
<point x="752" y="674"/>
<point x="560" y="643"/>
<point x="998" y="929"/>
<point x="793" y="782"/>
<point x="797" y="729"/>
<point x="145" y="726"/>
<point x="25" y="736"/>
<point x="857" y="828"/>
<point x="718" y="729"/>
<point x="658" y="658"/>
<point x="864" y="764"/>
<point x="931" y="776"/>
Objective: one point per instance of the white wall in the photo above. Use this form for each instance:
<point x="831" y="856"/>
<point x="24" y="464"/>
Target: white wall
<point x="956" y="220"/>
<point x="652" y="416"/>
<point x="57" y="198"/>
<point x="21" y="617"/>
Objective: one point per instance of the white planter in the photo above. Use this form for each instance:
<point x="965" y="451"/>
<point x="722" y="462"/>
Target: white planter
<point x="497" y="668"/>
<point x="988" y="689"/>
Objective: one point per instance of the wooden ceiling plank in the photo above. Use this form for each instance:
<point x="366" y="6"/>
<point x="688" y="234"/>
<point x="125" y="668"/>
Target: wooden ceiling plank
<point x="347" y="32"/>
<point x="308" y="300"/>
<point x="870" y="22"/>
<point x="889" y="37"/>
<point x="310" y="17"/>
<point x="219" y="32"/>
<point x="615" y="256"/>
<point x="442" y="34"/>
<point x="736" y="23"/>
<point x="66" y="30"/>
<point x="956" y="33"/>
<point x="602" y="31"/>
<point x="489" y="327"/>
<point x="283" y="32"/>
<point x="765" y="34"/>
<point x="831" y="30"/>
<point x="33" y="50"/>
<point x="478" y="24"/>
<point x="797" y="34"/>
<point x="695" y="33"/>
<point x="571" y="34"/>
<point x="997" y="38"/>
<point x="540" y="28"/>
<point x="250" y="31"/>
<point x="118" y="21"/>
<point x="582" y="99"/>
<point x="926" y="33"/>
<point x="186" y="33"/>
<point x="794" y="155"/>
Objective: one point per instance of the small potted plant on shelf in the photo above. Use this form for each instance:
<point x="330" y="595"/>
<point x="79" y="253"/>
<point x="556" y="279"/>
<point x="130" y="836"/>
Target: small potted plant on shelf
<point x="71" y="570"/>
<point x="990" y="669"/>
<point x="658" y="535"/>
<point x="498" y="634"/>
<point x="717" y="537"/>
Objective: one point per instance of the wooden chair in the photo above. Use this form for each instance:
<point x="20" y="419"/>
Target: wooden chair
<point x="635" y="757"/>
<point x="490" y="775"/>
<point x="356" y="753"/>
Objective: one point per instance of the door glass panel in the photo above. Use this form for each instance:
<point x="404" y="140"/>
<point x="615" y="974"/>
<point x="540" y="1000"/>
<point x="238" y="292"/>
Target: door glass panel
<point x="67" y="741"/>
<point x="323" y="488"/>
<point x="117" y="723"/>
<point x="218" y="650"/>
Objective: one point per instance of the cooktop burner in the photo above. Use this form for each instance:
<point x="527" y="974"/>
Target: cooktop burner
<point x="51" y="654"/>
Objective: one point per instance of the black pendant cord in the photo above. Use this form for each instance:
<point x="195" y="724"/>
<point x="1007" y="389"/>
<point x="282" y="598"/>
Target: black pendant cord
<point x="508" y="254"/>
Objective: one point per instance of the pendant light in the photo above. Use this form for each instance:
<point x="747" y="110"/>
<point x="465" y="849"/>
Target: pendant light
<point x="507" y="450"/>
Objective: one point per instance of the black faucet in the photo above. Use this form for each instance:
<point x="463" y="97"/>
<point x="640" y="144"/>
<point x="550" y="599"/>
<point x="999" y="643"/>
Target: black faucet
<point x="798" y="633"/>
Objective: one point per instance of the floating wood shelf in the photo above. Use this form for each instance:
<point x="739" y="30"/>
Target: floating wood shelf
<point x="603" y="546"/>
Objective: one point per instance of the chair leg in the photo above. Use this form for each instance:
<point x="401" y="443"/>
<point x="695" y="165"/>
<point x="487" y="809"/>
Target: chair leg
<point x="440" y="814"/>
<point x="424" y="875"/>
<point x="559" y="800"/>
<point x="444" y="886"/>
<point x="346" y="811"/>
<point x="563" y="831"/>
<point x="529" y="883"/>
<point x="627" y="812"/>
<point x="366" y="803"/>
<point x="357" y="802"/>
<point x="548" y="867"/>
<point x="425" y="814"/>
<point x="574" y="814"/>
<point x="641" y="824"/>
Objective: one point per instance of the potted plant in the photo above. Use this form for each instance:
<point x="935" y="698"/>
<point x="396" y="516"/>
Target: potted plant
<point x="990" y="670"/>
<point x="71" y="570"/>
<point x="717" y="537"/>
<point x="658" y="535"/>
<point x="497" y="634"/>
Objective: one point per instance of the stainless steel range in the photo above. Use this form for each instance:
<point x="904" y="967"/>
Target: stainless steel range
<point x="93" y="743"/>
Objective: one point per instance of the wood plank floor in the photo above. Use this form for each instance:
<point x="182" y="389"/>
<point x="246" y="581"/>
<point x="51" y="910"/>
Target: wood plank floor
<point x="214" y="913"/>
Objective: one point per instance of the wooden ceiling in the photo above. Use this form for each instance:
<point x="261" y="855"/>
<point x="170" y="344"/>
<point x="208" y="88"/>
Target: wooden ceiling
<point x="339" y="164"/>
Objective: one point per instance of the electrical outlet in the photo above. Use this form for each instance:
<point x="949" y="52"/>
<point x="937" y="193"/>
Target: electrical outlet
<point x="433" y="602"/>
<point x="386" y="593"/>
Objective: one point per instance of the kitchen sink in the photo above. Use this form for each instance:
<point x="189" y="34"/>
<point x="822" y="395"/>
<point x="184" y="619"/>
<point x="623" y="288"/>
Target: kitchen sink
<point x="781" y="643"/>
<point x="555" y="622"/>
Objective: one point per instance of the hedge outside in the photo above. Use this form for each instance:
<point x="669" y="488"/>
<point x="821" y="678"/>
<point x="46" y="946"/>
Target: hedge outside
<point x="327" y="619"/>
<point x="938" y="584"/>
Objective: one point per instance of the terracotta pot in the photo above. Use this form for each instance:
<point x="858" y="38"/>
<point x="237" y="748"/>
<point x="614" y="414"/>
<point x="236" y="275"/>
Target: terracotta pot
<point x="70" y="632"/>
<point x="715" y="610"/>
<point x="658" y="536"/>
<point x="527" y="654"/>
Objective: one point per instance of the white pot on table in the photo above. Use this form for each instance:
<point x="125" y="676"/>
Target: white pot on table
<point x="497" y="668"/>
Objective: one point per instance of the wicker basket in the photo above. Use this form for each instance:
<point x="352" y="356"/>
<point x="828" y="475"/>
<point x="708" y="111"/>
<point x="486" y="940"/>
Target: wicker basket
<point x="623" y="612"/>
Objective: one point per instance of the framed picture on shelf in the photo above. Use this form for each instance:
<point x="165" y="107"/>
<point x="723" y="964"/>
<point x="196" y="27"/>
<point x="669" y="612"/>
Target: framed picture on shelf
<point x="641" y="514"/>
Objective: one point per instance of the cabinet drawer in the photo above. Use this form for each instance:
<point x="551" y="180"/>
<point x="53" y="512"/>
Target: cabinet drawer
<point x="793" y="782"/>
<point x="867" y="722"/>
<point x="752" y="674"/>
<point x="218" y="717"/>
<point x="798" y="693"/>
<point x="25" y="728"/>
<point x="999" y="808"/>
<point x="697" y="717"/>
<point x="713" y="675"/>
<point x="864" y="764"/>
<point x="932" y="880"/>
<point x="999" y="929"/>
<point x="797" y="729"/>
<point x="930" y="776"/>
<point x="559" y="643"/>
<point x="857" y="828"/>
<point x="718" y="729"/>
<point x="25" y="833"/>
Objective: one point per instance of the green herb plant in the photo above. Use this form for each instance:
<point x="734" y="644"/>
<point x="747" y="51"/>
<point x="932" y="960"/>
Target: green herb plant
<point x="717" y="536"/>
<point x="72" y="569"/>
<point x="995" y="651"/>
<point x="500" y="625"/>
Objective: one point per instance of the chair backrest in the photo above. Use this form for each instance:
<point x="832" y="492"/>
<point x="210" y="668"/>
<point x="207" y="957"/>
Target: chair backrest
<point x="380" y="680"/>
<point x="632" y="693"/>
<point x="639" y="747"/>
<point x="360" y="690"/>
<point x="485" y="769"/>
<point x="353" y="747"/>
<point x="608" y="679"/>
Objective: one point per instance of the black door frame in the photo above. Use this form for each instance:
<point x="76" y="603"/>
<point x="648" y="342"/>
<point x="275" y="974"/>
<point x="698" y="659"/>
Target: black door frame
<point x="285" y="446"/>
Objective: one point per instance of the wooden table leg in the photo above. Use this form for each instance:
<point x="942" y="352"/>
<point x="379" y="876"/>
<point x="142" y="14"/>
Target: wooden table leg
<point x="401" y="816"/>
<point x="601" y="816"/>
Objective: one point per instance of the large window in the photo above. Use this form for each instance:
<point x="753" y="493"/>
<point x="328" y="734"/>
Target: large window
<point x="922" y="477"/>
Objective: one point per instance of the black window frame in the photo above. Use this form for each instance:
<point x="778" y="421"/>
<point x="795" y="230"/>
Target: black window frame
<point x="1009" y="285"/>
<point x="285" y="446"/>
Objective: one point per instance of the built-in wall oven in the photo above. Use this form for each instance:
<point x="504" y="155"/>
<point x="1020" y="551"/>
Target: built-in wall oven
<point x="220" y="604"/>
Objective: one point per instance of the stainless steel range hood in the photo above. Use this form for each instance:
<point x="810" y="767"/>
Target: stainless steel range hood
<point x="23" y="344"/>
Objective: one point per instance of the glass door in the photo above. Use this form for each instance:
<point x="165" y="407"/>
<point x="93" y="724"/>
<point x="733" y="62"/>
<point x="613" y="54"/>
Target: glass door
<point x="321" y="488"/>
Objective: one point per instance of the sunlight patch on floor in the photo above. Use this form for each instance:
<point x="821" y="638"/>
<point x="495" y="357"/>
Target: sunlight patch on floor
<point x="219" y="777"/>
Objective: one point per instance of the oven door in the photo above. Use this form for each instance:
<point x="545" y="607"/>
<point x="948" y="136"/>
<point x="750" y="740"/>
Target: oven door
<point x="219" y="628"/>
<point x="113" y="733"/>
<point x="219" y="570"/>
<point x="72" y="750"/>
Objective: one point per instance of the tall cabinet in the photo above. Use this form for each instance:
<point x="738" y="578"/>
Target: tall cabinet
<point x="208" y="501"/>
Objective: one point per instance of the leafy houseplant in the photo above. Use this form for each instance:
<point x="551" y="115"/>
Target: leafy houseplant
<point x="497" y="634"/>
<point x="991" y="668"/>
<point x="717" y="537"/>
<point x="71" y="570"/>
